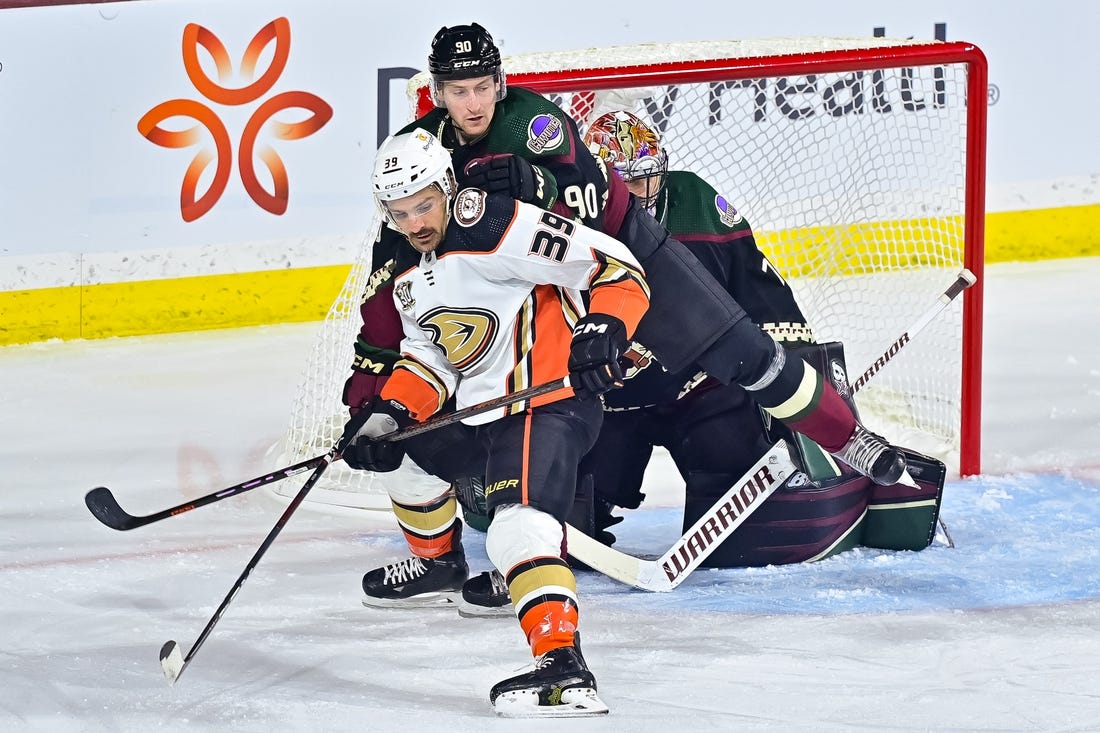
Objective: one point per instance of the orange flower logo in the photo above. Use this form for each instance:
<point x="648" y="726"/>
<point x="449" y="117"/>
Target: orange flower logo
<point x="192" y="205"/>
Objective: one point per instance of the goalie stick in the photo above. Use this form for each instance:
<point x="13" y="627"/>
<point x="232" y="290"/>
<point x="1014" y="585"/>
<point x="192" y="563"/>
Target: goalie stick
<point x="963" y="280"/>
<point x="105" y="507"/>
<point x="728" y="513"/>
<point x="173" y="661"/>
<point x="686" y="554"/>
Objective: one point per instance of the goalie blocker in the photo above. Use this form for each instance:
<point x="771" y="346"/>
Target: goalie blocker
<point x="824" y="509"/>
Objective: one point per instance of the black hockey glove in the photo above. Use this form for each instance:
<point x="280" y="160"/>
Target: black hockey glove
<point x="598" y="342"/>
<point x="360" y="444"/>
<point x="507" y="174"/>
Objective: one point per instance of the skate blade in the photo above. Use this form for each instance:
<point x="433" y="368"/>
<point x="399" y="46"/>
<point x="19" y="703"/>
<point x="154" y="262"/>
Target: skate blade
<point x="471" y="610"/>
<point x="576" y="702"/>
<point x="907" y="480"/>
<point x="424" y="600"/>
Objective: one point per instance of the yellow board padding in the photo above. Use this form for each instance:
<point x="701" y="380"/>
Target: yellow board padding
<point x="27" y="316"/>
<point x="856" y="249"/>
<point x="283" y="296"/>
<point x="1011" y="236"/>
<point x="168" y="306"/>
<point x="1043" y="234"/>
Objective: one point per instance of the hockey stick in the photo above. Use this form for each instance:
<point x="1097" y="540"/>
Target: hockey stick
<point x="963" y="281"/>
<point x="669" y="570"/>
<point x="104" y="507"/>
<point x="172" y="660"/>
<point x="728" y="513"/>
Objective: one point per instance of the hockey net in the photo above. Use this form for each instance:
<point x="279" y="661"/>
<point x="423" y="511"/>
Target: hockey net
<point x="858" y="162"/>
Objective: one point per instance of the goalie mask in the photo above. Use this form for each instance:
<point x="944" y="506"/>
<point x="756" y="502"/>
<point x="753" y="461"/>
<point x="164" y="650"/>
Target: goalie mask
<point x="409" y="163"/>
<point x="627" y="144"/>
<point x="464" y="52"/>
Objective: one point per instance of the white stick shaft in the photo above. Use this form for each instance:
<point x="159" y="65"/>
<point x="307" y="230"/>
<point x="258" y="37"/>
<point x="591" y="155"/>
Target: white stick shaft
<point x="963" y="281"/>
<point x="727" y="514"/>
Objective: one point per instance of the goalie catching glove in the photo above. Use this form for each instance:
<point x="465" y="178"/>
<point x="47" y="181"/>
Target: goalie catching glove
<point x="361" y="446"/>
<point x="506" y="174"/>
<point x="599" y="341"/>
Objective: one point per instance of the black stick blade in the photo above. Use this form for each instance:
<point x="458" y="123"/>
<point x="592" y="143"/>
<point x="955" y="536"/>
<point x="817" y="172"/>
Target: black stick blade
<point x="171" y="661"/>
<point x="104" y="507"/>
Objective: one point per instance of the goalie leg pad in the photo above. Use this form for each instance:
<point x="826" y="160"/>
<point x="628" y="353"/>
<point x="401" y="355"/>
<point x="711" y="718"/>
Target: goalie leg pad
<point x="798" y="523"/>
<point x="900" y="517"/>
<point x="470" y="492"/>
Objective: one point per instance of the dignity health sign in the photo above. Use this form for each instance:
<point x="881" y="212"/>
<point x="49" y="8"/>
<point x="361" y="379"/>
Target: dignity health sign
<point x="242" y="128"/>
<point x="174" y="140"/>
<point x="210" y="137"/>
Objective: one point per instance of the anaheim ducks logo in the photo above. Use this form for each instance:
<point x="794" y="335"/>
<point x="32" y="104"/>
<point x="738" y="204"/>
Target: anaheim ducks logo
<point x="464" y="334"/>
<point x="469" y="206"/>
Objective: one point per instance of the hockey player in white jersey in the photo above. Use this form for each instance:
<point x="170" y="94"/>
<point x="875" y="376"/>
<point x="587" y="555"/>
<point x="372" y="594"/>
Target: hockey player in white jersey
<point x="496" y="296"/>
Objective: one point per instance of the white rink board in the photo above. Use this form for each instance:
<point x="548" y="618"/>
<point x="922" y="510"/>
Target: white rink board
<point x="80" y="181"/>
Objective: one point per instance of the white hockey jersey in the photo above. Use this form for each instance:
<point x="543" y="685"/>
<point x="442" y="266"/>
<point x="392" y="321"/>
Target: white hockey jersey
<point x="491" y="311"/>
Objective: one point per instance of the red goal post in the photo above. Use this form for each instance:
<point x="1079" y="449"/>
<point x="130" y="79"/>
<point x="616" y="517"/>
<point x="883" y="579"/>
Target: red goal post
<point x="859" y="162"/>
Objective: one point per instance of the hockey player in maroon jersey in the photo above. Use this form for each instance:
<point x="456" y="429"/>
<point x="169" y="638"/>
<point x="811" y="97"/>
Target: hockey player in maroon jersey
<point x="496" y="296"/>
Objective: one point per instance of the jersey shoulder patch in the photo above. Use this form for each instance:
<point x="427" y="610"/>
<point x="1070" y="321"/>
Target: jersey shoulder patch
<point x="727" y="213"/>
<point x="469" y="206"/>
<point x="545" y="133"/>
<point x="543" y="121"/>
<point x="695" y="206"/>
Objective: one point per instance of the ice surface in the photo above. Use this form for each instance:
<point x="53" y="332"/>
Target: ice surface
<point x="1000" y="633"/>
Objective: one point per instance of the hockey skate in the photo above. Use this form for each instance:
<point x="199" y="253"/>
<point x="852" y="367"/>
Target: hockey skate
<point x="416" y="582"/>
<point x="559" y="686"/>
<point x="486" y="595"/>
<point x="872" y="456"/>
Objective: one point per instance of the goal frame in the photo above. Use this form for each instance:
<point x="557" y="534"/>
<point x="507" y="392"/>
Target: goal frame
<point x="887" y="56"/>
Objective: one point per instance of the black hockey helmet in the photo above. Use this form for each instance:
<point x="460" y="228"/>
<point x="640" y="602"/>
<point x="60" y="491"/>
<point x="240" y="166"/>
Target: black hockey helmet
<point x="464" y="52"/>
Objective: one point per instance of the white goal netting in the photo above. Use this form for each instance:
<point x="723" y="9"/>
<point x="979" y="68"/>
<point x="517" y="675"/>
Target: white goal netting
<point x="850" y="159"/>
